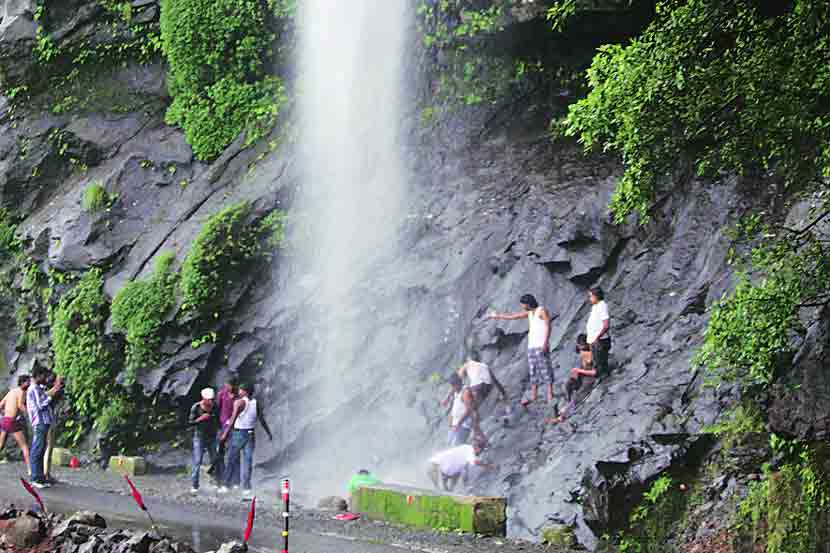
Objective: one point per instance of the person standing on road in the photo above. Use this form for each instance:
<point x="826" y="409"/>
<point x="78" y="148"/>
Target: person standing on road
<point x="50" y="436"/>
<point x="13" y="405"/>
<point x="597" y="330"/>
<point x="205" y="423"/>
<point x="39" y="406"/>
<point x="243" y="421"/>
<point x="225" y="400"/>
<point x="538" y="343"/>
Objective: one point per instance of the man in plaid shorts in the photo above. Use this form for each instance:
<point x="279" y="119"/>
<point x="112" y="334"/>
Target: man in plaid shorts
<point x="538" y="344"/>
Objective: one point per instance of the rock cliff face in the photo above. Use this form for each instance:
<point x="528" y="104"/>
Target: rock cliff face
<point x="491" y="217"/>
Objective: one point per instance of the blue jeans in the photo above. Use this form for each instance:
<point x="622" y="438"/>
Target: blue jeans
<point x="458" y="436"/>
<point x="242" y="442"/>
<point x="200" y="447"/>
<point x="38" y="449"/>
<point x="221" y="463"/>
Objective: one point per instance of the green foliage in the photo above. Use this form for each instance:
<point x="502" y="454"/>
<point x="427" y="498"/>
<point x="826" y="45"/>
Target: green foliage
<point x="67" y="74"/>
<point x="727" y="85"/>
<point x="96" y="197"/>
<point x="788" y="509"/>
<point x="225" y="246"/>
<point x="219" y="54"/>
<point x="754" y="331"/>
<point x="9" y="244"/>
<point x="140" y="308"/>
<point x="468" y="76"/>
<point x="77" y="326"/>
<point x="560" y="12"/>
<point x="745" y="419"/>
<point x="651" y="523"/>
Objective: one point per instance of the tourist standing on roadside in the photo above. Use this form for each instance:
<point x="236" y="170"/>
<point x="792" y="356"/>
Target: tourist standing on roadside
<point x="39" y="406"/>
<point x="597" y="331"/>
<point x="50" y="436"/>
<point x="243" y="421"/>
<point x="205" y="422"/>
<point x="225" y="399"/>
<point x="13" y="405"/>
<point x="538" y="343"/>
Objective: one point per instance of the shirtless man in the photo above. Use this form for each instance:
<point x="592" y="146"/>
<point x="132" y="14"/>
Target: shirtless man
<point x="13" y="407"/>
<point x="574" y="384"/>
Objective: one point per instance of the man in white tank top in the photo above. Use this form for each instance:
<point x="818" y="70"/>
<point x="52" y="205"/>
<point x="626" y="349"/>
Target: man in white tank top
<point x="538" y="343"/>
<point x="246" y="414"/>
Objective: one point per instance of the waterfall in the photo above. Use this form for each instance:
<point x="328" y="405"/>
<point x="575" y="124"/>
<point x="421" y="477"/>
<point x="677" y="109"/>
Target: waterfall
<point x="350" y="205"/>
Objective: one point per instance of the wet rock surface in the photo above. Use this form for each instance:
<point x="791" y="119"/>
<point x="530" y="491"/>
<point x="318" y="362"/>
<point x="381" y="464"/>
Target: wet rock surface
<point x="488" y="220"/>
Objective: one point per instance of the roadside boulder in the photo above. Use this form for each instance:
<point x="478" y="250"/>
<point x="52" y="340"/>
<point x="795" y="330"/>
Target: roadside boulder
<point x="24" y="531"/>
<point x="332" y="503"/>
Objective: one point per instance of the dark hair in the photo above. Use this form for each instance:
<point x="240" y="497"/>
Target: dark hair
<point x="479" y="443"/>
<point x="37" y="372"/>
<point x="23" y="379"/>
<point x="248" y="387"/>
<point x="363" y="471"/>
<point x="529" y="300"/>
<point x="598" y="293"/>
<point x="233" y="381"/>
<point x="582" y="343"/>
<point x="455" y="380"/>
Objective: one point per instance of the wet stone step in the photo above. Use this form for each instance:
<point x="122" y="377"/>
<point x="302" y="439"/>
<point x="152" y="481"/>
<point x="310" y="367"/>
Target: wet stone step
<point x="433" y="509"/>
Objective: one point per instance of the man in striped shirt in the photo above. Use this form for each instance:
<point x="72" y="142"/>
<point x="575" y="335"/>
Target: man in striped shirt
<point x="39" y="406"/>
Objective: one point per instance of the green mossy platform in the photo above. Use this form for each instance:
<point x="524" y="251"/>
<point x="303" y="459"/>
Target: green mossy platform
<point x="61" y="457"/>
<point x="132" y="466"/>
<point x="432" y="509"/>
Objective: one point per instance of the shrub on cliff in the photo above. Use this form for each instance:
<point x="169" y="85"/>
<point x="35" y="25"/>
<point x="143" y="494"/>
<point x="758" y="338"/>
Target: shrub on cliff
<point x="81" y="355"/>
<point x="219" y="52"/>
<point x="140" y="307"/>
<point x="224" y="247"/>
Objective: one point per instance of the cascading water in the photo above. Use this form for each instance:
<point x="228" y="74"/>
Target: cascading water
<point x="349" y="211"/>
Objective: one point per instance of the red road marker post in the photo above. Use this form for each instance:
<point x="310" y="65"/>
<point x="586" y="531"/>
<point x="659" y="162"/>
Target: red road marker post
<point x="140" y="501"/>
<point x="285" y="513"/>
<point x="250" y="525"/>
<point x="33" y="493"/>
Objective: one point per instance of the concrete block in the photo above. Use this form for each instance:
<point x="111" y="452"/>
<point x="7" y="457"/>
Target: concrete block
<point x="433" y="509"/>
<point x="61" y="457"/>
<point x="131" y="466"/>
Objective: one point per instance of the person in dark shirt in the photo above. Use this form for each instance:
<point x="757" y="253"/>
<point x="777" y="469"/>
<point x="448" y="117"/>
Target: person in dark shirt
<point x="224" y="405"/>
<point x="205" y="422"/>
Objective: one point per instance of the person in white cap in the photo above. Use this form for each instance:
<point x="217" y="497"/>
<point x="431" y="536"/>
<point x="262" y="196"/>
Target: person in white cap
<point x="205" y="422"/>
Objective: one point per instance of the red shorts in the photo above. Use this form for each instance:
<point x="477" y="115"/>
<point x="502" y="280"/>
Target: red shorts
<point x="10" y="425"/>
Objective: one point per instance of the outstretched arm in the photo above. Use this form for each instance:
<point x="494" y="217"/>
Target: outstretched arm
<point x="508" y="316"/>
<point x="264" y="424"/>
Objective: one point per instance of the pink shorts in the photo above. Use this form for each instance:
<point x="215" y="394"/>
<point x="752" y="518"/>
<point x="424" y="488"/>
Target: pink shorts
<point x="10" y="425"/>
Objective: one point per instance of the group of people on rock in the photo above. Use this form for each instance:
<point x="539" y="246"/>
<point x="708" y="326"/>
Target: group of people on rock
<point x="464" y="401"/>
<point x="34" y="396"/>
<point x="224" y="429"/>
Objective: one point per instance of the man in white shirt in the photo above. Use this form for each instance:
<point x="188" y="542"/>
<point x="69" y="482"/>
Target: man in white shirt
<point x="597" y="330"/>
<point x="451" y="464"/>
